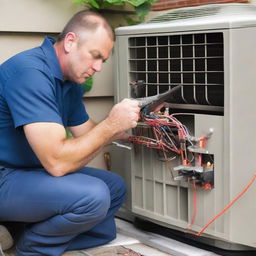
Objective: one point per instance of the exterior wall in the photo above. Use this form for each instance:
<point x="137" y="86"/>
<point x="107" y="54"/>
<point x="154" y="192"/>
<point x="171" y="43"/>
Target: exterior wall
<point x="172" y="4"/>
<point x="98" y="108"/>
<point x="25" y="23"/>
<point x="35" y="15"/>
<point x="164" y="6"/>
<point x="12" y="43"/>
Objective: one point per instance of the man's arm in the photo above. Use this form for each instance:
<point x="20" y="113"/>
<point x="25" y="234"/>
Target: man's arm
<point x="82" y="129"/>
<point x="60" y="155"/>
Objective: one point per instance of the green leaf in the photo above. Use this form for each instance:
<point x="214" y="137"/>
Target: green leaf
<point x="136" y="2"/>
<point x="79" y="1"/>
<point x="150" y="1"/>
<point x="141" y="7"/>
<point x="131" y="21"/>
<point x="94" y="4"/>
<point x="87" y="85"/>
<point x="115" y="2"/>
<point x="143" y="10"/>
<point x="68" y="133"/>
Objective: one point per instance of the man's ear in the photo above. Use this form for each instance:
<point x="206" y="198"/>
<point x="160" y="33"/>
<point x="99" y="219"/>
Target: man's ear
<point x="70" y="41"/>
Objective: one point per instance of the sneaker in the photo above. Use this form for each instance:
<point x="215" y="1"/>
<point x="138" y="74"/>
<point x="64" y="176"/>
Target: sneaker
<point x="6" y="241"/>
<point x="1" y="251"/>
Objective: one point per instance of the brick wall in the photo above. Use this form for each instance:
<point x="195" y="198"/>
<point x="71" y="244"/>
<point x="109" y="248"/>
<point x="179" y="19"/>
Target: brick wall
<point x="172" y="4"/>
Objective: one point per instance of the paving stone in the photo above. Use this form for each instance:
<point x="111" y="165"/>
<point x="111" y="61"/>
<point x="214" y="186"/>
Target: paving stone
<point x="74" y="253"/>
<point x="105" y="251"/>
<point x="146" y="250"/>
<point x="111" y="251"/>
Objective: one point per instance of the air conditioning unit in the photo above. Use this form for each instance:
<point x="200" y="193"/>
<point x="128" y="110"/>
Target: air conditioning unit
<point x="211" y="52"/>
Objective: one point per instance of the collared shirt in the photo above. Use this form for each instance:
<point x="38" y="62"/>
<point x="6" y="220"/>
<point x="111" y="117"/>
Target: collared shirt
<point x="32" y="89"/>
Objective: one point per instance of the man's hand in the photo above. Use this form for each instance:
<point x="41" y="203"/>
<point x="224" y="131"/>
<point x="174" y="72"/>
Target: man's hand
<point x="123" y="115"/>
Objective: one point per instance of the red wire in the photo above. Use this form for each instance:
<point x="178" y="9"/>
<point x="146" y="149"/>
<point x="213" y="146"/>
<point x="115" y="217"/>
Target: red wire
<point x="228" y="206"/>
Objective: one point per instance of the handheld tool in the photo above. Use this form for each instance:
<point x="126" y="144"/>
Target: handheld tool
<point x="153" y="101"/>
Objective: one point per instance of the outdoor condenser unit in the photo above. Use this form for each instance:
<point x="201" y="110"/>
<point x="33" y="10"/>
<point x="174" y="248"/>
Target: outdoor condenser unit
<point x="211" y="52"/>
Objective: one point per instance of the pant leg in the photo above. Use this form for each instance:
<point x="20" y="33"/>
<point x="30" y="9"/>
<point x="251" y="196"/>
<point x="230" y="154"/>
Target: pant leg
<point x="57" y="208"/>
<point x="105" y="231"/>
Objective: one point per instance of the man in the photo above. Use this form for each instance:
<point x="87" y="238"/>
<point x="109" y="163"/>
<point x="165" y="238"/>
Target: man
<point x="43" y="181"/>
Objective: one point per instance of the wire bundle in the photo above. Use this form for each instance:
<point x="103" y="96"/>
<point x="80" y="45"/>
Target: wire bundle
<point x="161" y="131"/>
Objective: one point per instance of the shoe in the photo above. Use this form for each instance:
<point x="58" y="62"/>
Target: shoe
<point x="1" y="251"/>
<point x="6" y="241"/>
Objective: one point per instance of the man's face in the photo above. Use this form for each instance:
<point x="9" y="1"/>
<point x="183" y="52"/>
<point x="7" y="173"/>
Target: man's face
<point x="87" y="55"/>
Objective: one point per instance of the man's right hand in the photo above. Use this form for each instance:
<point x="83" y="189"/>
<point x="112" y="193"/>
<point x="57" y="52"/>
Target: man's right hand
<point x="124" y="115"/>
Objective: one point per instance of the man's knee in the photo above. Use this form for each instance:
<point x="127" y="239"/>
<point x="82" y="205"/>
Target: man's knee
<point x="119" y="186"/>
<point x="85" y="206"/>
<point x="85" y="194"/>
<point x="100" y="200"/>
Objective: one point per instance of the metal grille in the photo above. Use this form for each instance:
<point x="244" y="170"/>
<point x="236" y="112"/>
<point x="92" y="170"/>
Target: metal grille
<point x="193" y="60"/>
<point x="186" y="14"/>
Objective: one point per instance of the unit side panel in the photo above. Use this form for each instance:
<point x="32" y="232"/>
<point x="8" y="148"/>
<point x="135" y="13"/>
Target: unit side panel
<point x="225" y="196"/>
<point x="122" y="66"/>
<point x="121" y="157"/>
<point x="242" y="137"/>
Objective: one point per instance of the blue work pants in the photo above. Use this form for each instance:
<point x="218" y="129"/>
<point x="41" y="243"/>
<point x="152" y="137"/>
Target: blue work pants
<point x="72" y="212"/>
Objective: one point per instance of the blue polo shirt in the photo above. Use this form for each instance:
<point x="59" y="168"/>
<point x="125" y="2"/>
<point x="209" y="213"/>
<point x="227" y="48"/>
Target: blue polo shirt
<point x="32" y="89"/>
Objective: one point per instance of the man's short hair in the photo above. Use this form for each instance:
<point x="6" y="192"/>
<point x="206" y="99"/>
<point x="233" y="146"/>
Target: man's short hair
<point x="86" y="21"/>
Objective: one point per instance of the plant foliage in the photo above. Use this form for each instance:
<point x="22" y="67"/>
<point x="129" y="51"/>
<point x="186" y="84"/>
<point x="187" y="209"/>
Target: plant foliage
<point x="141" y="7"/>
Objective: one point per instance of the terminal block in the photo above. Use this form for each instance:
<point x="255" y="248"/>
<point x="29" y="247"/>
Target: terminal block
<point x="202" y="174"/>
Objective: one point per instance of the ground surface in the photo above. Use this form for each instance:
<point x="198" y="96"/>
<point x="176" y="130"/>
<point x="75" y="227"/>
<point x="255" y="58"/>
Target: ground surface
<point x="131" y="241"/>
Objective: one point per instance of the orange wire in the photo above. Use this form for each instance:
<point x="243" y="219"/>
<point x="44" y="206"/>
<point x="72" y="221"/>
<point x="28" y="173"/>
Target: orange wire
<point x="228" y="206"/>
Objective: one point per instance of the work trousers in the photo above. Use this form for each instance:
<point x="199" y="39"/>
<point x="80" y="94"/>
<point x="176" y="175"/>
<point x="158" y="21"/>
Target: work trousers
<point x="72" y="212"/>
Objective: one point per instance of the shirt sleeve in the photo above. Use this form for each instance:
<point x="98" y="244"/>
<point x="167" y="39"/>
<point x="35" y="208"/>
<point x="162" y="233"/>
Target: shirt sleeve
<point x="77" y="114"/>
<point x="30" y="96"/>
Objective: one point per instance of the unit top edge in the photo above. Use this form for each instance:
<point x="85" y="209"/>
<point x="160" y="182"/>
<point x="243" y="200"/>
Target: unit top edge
<point x="215" y="15"/>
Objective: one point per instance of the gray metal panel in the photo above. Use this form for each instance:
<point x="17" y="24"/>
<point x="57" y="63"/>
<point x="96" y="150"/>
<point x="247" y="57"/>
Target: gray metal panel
<point x="242" y="139"/>
<point x="121" y="157"/>
<point x="211" y="202"/>
<point x="228" y="16"/>
<point x="121" y="75"/>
